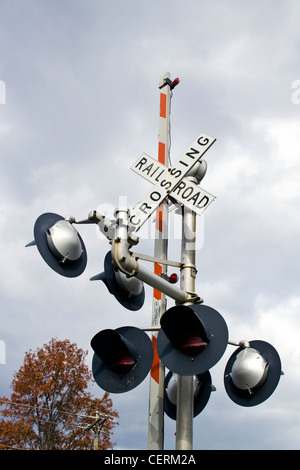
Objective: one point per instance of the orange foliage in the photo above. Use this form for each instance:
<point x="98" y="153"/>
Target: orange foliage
<point x="51" y="407"/>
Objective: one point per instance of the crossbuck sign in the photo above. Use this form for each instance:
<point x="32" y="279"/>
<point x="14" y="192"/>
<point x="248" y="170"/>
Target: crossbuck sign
<point x="172" y="182"/>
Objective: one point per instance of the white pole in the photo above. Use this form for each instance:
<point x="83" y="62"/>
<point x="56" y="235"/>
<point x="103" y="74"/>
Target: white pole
<point x="156" y="388"/>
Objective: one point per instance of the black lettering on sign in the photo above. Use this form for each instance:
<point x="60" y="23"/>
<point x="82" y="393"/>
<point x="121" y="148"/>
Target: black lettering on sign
<point x="148" y="168"/>
<point x="155" y="196"/>
<point x="204" y="201"/>
<point x="187" y="192"/>
<point x="194" y="198"/>
<point x="157" y="168"/>
<point x="205" y="142"/>
<point x="166" y="184"/>
<point x="176" y="173"/>
<point x="133" y="222"/>
<point x="181" y="186"/>
<point x="144" y="208"/>
<point x="141" y="163"/>
<point x="192" y="153"/>
<point x="157" y="178"/>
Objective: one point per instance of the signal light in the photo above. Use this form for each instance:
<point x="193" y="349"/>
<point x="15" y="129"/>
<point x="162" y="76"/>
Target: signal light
<point x="252" y="373"/>
<point x="175" y="82"/>
<point x="129" y="291"/>
<point x="122" y="359"/>
<point x="199" y="170"/>
<point x="60" y="245"/>
<point x="173" y="278"/>
<point x="172" y="84"/>
<point x="202" y="390"/>
<point x="192" y="339"/>
<point x="192" y="342"/>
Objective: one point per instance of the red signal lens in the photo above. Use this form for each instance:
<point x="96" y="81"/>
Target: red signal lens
<point x="192" y="346"/>
<point x="175" y="82"/>
<point x="123" y="365"/>
<point x="173" y="278"/>
<point x="116" y="352"/>
<point x="185" y="330"/>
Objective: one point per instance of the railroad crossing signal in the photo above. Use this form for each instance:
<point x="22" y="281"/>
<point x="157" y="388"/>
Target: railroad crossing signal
<point x="186" y="192"/>
<point x="168" y="182"/>
<point x="129" y="291"/>
<point x="122" y="358"/>
<point x="59" y="244"/>
<point x="252" y="373"/>
<point x="192" y="336"/>
<point x="202" y="391"/>
<point x="192" y="339"/>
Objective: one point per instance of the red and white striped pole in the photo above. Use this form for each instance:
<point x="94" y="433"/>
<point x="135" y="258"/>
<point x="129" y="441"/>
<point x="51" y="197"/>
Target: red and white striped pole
<point x="156" y="390"/>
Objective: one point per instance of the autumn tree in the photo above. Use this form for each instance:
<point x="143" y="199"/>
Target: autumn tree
<point x="51" y="406"/>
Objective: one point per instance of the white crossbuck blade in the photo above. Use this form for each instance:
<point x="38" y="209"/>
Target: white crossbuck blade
<point x="172" y="182"/>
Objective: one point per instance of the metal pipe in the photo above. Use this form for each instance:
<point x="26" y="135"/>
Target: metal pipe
<point x="130" y="266"/>
<point x="120" y="246"/>
<point x="185" y="387"/>
<point x="154" y="259"/>
<point x="242" y="343"/>
<point x="185" y="413"/>
<point x="161" y="284"/>
<point x="150" y="328"/>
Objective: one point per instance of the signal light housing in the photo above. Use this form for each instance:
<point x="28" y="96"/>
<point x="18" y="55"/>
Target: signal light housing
<point x="129" y="291"/>
<point x="175" y="82"/>
<point x="252" y="373"/>
<point x="202" y="391"/>
<point x="192" y="339"/>
<point x="122" y="358"/>
<point x="60" y="245"/>
<point x="173" y="278"/>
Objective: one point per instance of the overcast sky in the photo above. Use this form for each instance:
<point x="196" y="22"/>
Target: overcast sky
<point x="79" y="105"/>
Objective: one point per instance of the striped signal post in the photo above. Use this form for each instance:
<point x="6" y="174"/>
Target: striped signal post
<point x="156" y="389"/>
